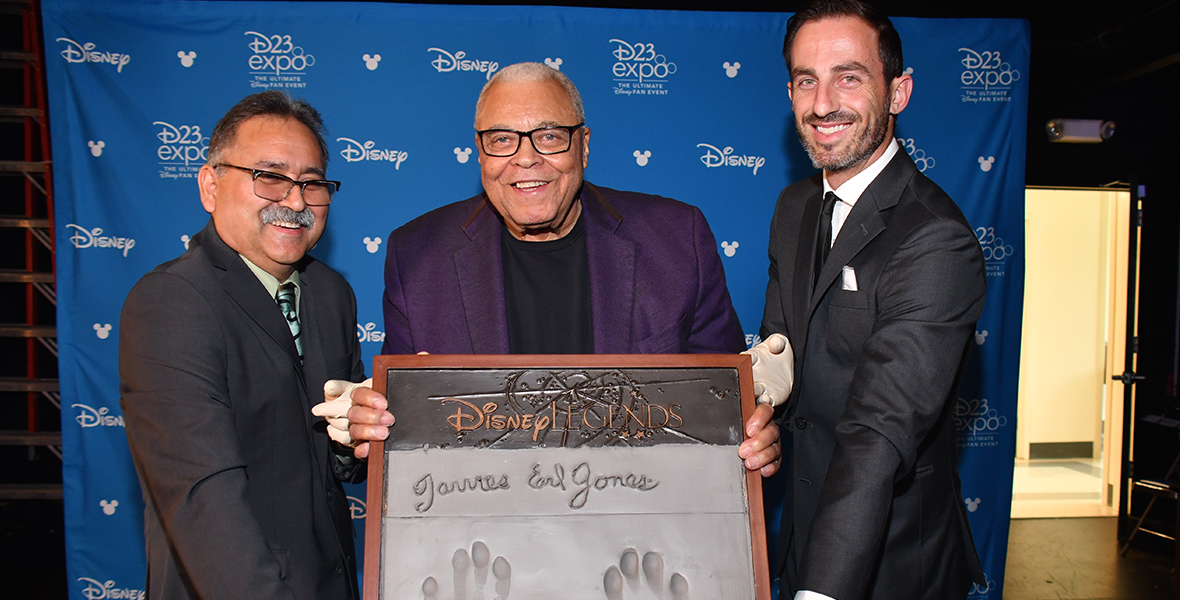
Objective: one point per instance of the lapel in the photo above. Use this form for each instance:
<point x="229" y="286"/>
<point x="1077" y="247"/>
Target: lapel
<point x="804" y="268"/>
<point x="246" y="291"/>
<point x="315" y="367"/>
<point x="481" y="282"/>
<point x="865" y="222"/>
<point x="611" y="261"/>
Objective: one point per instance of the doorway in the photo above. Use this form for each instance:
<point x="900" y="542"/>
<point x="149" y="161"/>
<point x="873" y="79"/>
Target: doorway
<point x="1069" y="412"/>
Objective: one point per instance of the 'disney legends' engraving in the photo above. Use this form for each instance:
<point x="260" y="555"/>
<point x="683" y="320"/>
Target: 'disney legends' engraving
<point x="609" y="405"/>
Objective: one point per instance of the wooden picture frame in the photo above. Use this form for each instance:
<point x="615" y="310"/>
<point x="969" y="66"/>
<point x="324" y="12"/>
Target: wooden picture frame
<point x="564" y="476"/>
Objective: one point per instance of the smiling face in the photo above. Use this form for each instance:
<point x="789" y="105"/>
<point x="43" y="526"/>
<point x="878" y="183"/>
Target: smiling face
<point x="273" y="235"/>
<point x="841" y="100"/>
<point x="535" y="194"/>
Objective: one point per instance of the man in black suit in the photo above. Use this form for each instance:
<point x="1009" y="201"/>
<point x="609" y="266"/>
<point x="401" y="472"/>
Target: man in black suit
<point x="880" y="329"/>
<point x="220" y="360"/>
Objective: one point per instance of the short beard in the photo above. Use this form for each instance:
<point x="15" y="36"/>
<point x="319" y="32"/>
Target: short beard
<point x="278" y="213"/>
<point x="861" y="149"/>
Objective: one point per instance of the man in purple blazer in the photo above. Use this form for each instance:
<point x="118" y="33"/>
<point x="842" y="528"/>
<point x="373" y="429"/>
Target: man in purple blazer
<point x="545" y="263"/>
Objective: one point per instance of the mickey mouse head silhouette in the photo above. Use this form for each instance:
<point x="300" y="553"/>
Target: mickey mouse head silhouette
<point x="980" y="337"/>
<point x="185" y="240"/>
<point x="371" y="244"/>
<point x="554" y="63"/>
<point x="108" y="507"/>
<point x="186" y="58"/>
<point x="102" y="331"/>
<point x="731" y="70"/>
<point x="462" y="155"/>
<point x="96" y="147"/>
<point x="730" y="248"/>
<point x="371" y="61"/>
<point x="641" y="157"/>
<point x="972" y="504"/>
<point x="985" y="164"/>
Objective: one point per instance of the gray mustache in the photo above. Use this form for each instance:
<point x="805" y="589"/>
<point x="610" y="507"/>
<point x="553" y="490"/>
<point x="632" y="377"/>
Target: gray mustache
<point x="275" y="213"/>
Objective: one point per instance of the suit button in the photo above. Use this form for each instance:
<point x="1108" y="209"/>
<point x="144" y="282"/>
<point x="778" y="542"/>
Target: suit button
<point x="339" y="569"/>
<point x="800" y="423"/>
<point x="331" y="493"/>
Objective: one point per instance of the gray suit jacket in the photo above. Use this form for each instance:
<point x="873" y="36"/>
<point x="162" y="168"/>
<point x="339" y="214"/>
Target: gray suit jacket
<point x="656" y="282"/>
<point x="241" y="482"/>
<point x="874" y="508"/>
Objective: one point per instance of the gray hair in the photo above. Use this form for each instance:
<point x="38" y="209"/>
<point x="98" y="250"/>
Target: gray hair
<point x="271" y="103"/>
<point x="532" y="72"/>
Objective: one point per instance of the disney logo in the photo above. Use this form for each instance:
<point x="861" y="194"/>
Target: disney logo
<point x="715" y="157"/>
<point x="276" y="53"/>
<point x="986" y="69"/>
<point x="94" y="239"/>
<point x="356" y="507"/>
<point x="368" y="333"/>
<point x="356" y="151"/>
<point x="79" y="53"/>
<point x="91" y="417"/>
<point x="447" y="62"/>
<point x="97" y="590"/>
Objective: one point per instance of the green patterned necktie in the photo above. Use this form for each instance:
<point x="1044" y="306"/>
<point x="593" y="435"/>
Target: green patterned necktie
<point x="286" y="300"/>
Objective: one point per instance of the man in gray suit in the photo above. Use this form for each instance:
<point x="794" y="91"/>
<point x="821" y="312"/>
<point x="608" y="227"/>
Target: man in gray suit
<point x="222" y="353"/>
<point x="880" y="329"/>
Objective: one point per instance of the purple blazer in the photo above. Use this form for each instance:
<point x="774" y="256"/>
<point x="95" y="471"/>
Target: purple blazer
<point x="656" y="281"/>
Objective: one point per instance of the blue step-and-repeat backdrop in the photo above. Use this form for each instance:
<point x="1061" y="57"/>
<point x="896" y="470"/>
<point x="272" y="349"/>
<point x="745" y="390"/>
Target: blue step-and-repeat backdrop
<point x="691" y="105"/>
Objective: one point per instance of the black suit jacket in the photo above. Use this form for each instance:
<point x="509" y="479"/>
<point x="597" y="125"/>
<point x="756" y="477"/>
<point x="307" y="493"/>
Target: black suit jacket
<point x="241" y="482"/>
<point x="874" y="508"/>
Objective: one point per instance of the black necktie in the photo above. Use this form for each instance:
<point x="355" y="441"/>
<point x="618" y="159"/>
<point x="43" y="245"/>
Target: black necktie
<point x="823" y="239"/>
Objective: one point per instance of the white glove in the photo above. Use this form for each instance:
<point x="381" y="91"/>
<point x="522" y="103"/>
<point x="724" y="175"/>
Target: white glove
<point x="334" y="408"/>
<point x="774" y="369"/>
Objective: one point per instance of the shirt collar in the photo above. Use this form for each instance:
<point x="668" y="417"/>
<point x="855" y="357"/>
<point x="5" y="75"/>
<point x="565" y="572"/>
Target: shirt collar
<point x="851" y="190"/>
<point x="272" y="283"/>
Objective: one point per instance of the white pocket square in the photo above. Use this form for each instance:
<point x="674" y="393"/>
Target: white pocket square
<point x="848" y="279"/>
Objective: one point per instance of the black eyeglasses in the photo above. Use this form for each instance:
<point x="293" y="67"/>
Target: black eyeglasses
<point x="275" y="187"/>
<point x="546" y="140"/>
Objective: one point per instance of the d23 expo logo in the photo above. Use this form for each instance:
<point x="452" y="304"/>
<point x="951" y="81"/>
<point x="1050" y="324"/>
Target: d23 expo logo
<point x="986" y="77"/>
<point x="996" y="253"/>
<point x="977" y="423"/>
<point x="276" y="62"/>
<point x="639" y="70"/>
<point x="182" y="150"/>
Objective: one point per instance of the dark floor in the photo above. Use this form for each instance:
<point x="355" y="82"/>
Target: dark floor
<point x="1078" y="559"/>
<point x="1048" y="559"/>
